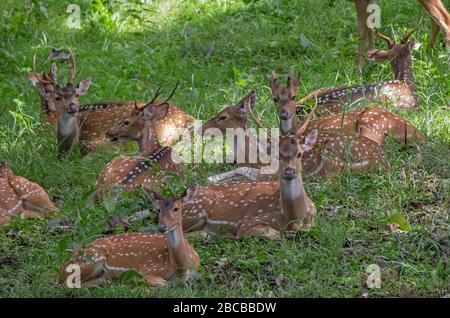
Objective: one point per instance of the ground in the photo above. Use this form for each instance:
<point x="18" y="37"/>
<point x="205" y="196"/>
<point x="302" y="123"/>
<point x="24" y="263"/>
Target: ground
<point x="220" y="50"/>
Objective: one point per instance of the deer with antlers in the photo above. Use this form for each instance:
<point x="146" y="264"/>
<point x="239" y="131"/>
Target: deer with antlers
<point x="88" y="123"/>
<point x="127" y="172"/>
<point x="247" y="152"/>
<point x="401" y="91"/>
<point x="19" y="196"/>
<point x="158" y="257"/>
<point x="258" y="208"/>
<point x="335" y="149"/>
<point x="440" y="19"/>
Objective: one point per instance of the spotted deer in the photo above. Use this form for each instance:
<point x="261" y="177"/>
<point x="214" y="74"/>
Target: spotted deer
<point x="440" y="19"/>
<point x="401" y="91"/>
<point x="127" y="172"/>
<point x="335" y="148"/>
<point x="239" y="209"/>
<point x="94" y="120"/>
<point x="19" y="196"/>
<point x="158" y="257"/>
<point x="235" y="117"/>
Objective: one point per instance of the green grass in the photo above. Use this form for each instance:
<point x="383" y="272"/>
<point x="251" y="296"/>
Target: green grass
<point x="220" y="50"/>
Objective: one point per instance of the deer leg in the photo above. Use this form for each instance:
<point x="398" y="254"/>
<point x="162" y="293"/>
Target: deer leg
<point x="96" y="282"/>
<point x="440" y="16"/>
<point x="153" y="280"/>
<point x="30" y="214"/>
<point x="363" y="30"/>
<point x="4" y="217"/>
<point x="266" y="232"/>
<point x="434" y="33"/>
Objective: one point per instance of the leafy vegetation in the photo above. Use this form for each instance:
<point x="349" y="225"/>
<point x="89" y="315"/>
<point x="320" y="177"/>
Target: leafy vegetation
<point x="220" y="50"/>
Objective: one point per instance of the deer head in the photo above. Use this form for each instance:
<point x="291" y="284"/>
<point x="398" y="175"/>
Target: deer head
<point x="232" y="116"/>
<point x="134" y="127"/>
<point x="45" y="82"/>
<point x="284" y="98"/>
<point x="170" y="210"/>
<point x="398" y="54"/>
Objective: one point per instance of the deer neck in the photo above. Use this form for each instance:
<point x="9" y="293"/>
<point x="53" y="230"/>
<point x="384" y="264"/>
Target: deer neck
<point x="148" y="142"/>
<point x="293" y="199"/>
<point x="403" y="71"/>
<point x="179" y="249"/>
<point x="67" y="130"/>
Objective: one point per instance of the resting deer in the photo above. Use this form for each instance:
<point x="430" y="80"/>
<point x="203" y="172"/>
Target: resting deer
<point x="19" y="196"/>
<point x="157" y="257"/>
<point x="127" y="172"/>
<point x="401" y="91"/>
<point x="335" y="149"/>
<point x="94" y="120"/>
<point x="257" y="208"/>
<point x="235" y="117"/>
<point x="439" y="16"/>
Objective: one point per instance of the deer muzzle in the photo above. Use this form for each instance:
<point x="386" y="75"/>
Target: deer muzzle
<point x="289" y="174"/>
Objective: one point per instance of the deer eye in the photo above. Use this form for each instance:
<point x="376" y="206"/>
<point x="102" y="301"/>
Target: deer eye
<point x="126" y="122"/>
<point x="221" y="118"/>
<point x="275" y="99"/>
<point x="176" y="209"/>
<point x="58" y="98"/>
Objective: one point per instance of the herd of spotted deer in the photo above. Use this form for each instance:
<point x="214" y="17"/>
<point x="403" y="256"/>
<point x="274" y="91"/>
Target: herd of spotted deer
<point x="333" y="141"/>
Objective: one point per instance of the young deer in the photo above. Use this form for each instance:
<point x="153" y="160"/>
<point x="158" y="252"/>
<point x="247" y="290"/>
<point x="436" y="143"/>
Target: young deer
<point x="157" y="257"/>
<point x="94" y="120"/>
<point x="439" y="16"/>
<point x="257" y="208"/>
<point x="401" y="92"/>
<point x="19" y="196"/>
<point x="127" y="172"/>
<point x="335" y="148"/>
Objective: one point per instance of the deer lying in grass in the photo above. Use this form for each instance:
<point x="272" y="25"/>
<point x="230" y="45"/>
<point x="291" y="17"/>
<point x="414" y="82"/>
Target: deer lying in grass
<point x="439" y="16"/>
<point x="401" y="91"/>
<point x="127" y="172"/>
<point x="257" y="208"/>
<point x="157" y="257"/>
<point x="235" y="117"/>
<point x="335" y="149"/>
<point x="19" y="196"/>
<point x="93" y="120"/>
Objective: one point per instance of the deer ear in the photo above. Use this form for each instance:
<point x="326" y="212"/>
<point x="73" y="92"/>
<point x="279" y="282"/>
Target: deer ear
<point x="33" y="78"/>
<point x="273" y="82"/>
<point x="310" y="141"/>
<point x="189" y="194"/>
<point x="297" y="81"/>
<point x="43" y="93"/>
<point x="246" y="103"/>
<point x="380" y="55"/>
<point x="83" y="87"/>
<point x="153" y="196"/>
<point x="54" y="72"/>
<point x="160" y="111"/>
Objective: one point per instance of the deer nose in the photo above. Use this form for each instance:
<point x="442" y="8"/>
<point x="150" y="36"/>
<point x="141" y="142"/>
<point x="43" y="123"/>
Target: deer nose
<point x="162" y="228"/>
<point x="284" y="115"/>
<point x="72" y="108"/>
<point x="289" y="173"/>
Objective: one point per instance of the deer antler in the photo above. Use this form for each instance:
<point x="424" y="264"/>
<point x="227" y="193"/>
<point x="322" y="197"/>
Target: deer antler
<point x="171" y="94"/>
<point x="385" y="38"/>
<point x="408" y="34"/>
<point x="157" y="93"/>
<point x="36" y="74"/>
<point x="73" y="70"/>
<point x="300" y="131"/>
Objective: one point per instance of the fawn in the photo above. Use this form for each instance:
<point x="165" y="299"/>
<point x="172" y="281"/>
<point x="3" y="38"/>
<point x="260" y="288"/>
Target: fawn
<point x="19" y="196"/>
<point x="158" y="257"/>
